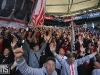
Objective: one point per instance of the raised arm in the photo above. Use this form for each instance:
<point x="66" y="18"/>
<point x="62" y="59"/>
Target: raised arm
<point x="33" y="39"/>
<point x="43" y="48"/>
<point x="14" y="44"/>
<point x="53" y="50"/>
<point x="86" y="58"/>
<point x="26" y="46"/>
<point x="21" y="64"/>
<point x="24" y="42"/>
<point x="46" y="38"/>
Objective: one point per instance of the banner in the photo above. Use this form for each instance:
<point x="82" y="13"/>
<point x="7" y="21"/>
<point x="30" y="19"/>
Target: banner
<point x="16" y="13"/>
<point x="85" y="16"/>
<point x="67" y="19"/>
<point x="93" y="15"/>
<point x="48" y="18"/>
<point x="38" y="14"/>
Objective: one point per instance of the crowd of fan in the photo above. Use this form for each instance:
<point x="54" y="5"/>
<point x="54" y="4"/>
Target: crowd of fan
<point x="39" y="47"/>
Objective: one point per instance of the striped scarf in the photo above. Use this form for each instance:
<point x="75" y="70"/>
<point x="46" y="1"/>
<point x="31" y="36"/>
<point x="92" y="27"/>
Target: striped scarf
<point x="72" y="69"/>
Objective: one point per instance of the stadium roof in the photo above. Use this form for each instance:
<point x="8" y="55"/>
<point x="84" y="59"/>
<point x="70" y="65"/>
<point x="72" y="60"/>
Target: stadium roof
<point x="69" y="7"/>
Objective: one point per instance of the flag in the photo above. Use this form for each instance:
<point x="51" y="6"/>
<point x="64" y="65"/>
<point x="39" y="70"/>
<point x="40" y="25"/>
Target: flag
<point x="38" y="14"/>
<point x="73" y="36"/>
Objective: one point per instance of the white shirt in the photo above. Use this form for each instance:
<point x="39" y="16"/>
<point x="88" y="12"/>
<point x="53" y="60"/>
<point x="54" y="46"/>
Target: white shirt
<point x="58" y="65"/>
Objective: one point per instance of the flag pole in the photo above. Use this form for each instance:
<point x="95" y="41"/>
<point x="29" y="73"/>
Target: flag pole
<point x="73" y="36"/>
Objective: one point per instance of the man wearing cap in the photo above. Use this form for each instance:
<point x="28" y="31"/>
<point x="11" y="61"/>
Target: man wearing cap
<point x="47" y="69"/>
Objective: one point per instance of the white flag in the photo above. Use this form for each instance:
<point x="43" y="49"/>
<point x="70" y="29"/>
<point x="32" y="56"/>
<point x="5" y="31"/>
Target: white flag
<point x="38" y="14"/>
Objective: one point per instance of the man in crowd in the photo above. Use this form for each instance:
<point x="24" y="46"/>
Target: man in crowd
<point x="96" y="71"/>
<point x="34" y="54"/>
<point x="69" y="66"/>
<point x="58" y="65"/>
<point x="47" y="69"/>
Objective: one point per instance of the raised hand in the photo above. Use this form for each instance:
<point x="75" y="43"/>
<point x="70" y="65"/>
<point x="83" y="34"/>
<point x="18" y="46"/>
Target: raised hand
<point x="18" y="52"/>
<point x="69" y="37"/>
<point x="82" y="49"/>
<point x="13" y="43"/>
<point x="23" y="35"/>
<point x="1" y="39"/>
<point x="80" y="40"/>
<point x="52" y="47"/>
<point x="46" y="38"/>
<point x="98" y="49"/>
<point x="98" y="43"/>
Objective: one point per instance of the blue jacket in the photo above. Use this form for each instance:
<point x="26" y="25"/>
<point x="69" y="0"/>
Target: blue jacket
<point x="32" y="57"/>
<point x="65" y="65"/>
<point x="26" y="70"/>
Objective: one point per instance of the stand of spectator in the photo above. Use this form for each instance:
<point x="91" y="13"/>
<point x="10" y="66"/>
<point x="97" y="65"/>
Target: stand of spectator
<point x="40" y="46"/>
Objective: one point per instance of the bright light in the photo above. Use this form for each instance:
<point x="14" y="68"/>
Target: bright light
<point x="90" y="10"/>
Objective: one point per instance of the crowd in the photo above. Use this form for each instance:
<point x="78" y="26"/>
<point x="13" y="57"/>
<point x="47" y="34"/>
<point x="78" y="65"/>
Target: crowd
<point x="47" y="51"/>
<point x="97" y="27"/>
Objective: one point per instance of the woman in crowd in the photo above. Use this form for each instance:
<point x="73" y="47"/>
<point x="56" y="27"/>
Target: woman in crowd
<point x="7" y="57"/>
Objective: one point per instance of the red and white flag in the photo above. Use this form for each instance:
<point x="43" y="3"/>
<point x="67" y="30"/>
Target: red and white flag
<point x="38" y="14"/>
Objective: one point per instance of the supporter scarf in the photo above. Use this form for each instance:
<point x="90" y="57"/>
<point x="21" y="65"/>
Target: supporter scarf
<point x="72" y="69"/>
